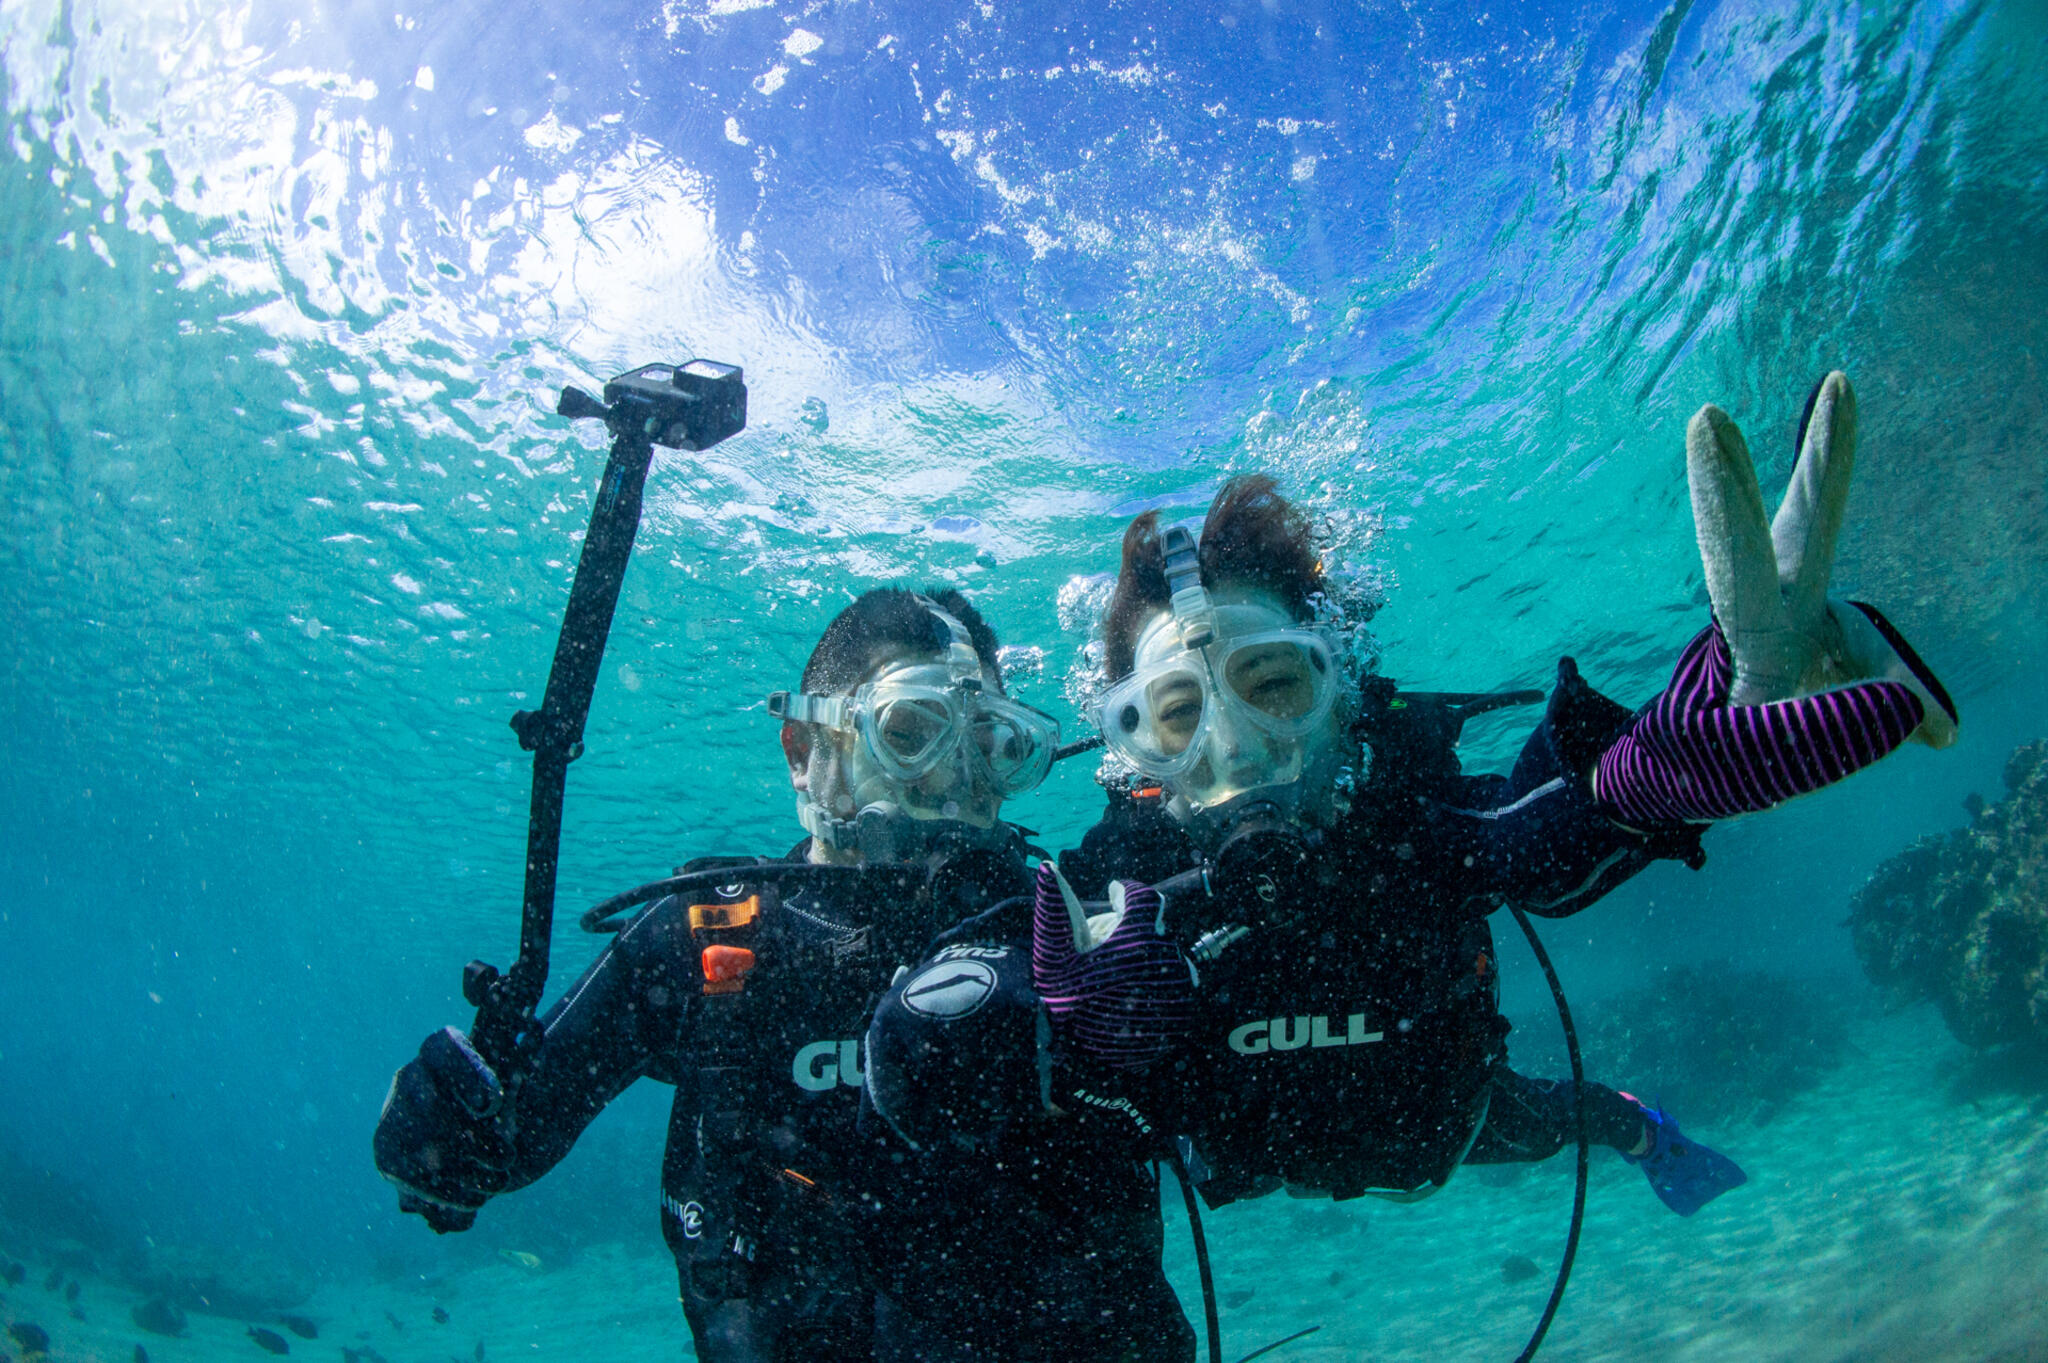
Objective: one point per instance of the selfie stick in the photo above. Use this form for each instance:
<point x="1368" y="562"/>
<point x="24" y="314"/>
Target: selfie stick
<point x="686" y="407"/>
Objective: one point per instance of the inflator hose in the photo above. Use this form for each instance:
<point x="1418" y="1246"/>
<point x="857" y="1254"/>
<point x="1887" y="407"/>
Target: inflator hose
<point x="1571" y="1042"/>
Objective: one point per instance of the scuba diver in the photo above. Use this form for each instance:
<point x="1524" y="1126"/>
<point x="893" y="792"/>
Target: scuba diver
<point x="1327" y="1019"/>
<point x="901" y="747"/>
<point x="1292" y="972"/>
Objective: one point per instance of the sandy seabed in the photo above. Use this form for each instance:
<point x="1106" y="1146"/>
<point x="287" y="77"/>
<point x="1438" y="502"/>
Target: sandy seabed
<point x="1897" y="1211"/>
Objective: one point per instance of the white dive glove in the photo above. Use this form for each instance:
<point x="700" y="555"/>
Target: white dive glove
<point x="1769" y="581"/>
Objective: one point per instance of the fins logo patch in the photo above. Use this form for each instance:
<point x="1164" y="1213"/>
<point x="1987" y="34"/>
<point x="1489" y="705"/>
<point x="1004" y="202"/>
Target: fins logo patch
<point x="689" y="1215"/>
<point x="949" y="989"/>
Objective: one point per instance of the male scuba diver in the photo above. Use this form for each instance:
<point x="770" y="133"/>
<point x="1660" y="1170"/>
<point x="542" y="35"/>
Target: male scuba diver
<point x="901" y="747"/>
<point x="1319" y="1009"/>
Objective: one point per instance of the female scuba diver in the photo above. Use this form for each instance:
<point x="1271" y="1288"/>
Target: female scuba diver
<point x="1309" y="998"/>
<point x="1330" y="1007"/>
<point x="902" y="748"/>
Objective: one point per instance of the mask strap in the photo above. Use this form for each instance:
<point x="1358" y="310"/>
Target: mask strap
<point x="1192" y="609"/>
<point x="804" y="708"/>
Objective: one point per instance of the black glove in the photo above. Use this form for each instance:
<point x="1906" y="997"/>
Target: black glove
<point x="438" y="1139"/>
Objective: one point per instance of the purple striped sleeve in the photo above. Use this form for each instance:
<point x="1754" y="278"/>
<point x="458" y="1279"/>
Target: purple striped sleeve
<point x="1690" y="757"/>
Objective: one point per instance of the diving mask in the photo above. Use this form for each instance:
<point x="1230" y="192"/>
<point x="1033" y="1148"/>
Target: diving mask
<point x="916" y="719"/>
<point x="1226" y="700"/>
<point x="922" y="739"/>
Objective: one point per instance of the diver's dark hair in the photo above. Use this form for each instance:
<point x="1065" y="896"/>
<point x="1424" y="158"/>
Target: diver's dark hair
<point x="1252" y="537"/>
<point x="889" y="621"/>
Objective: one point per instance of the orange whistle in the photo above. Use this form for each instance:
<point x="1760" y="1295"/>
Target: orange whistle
<point x="725" y="969"/>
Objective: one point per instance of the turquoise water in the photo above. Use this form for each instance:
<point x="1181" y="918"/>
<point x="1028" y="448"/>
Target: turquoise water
<point x="286" y="297"/>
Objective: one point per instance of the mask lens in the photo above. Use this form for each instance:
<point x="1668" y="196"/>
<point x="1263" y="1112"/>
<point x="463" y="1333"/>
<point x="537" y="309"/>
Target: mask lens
<point x="1005" y="747"/>
<point x="1281" y="679"/>
<point x="1015" y="742"/>
<point x="1176" y="702"/>
<point x="910" y="732"/>
<point x="1153" y="720"/>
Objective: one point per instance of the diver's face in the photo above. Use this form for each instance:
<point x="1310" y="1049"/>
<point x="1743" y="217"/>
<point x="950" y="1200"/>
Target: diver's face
<point x="1263" y="705"/>
<point x="1273" y="678"/>
<point x="842" y="773"/>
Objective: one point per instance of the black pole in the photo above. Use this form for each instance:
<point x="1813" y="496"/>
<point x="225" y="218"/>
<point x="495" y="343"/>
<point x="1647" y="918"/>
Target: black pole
<point x="554" y="735"/>
<point x="693" y="407"/>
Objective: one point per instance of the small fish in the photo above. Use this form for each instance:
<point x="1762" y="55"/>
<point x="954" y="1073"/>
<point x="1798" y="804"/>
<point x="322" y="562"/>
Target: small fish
<point x="396" y="1323"/>
<point x="1233" y="1300"/>
<point x="300" y="1326"/>
<point x="32" y="1338"/>
<point x="14" y="1274"/>
<point x="71" y="1292"/>
<point x="54" y="1281"/>
<point x="141" y="1354"/>
<point x="78" y="1315"/>
<point x="1518" y="1268"/>
<point x="521" y="1257"/>
<point x="479" y="1351"/>
<point x="440" y="1316"/>
<point x="270" y="1341"/>
<point x="1974" y="803"/>
<point x="349" y="1355"/>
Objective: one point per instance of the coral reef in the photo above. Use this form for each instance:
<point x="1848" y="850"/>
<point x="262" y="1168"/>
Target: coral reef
<point x="1717" y="1044"/>
<point x="1962" y="918"/>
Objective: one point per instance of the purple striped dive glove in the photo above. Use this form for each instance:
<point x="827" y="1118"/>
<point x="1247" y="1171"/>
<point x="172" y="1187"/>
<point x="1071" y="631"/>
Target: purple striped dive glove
<point x="1693" y="757"/>
<point x="1118" y="991"/>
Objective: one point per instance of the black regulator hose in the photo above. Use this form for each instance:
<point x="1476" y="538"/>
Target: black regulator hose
<point x="1187" y="1194"/>
<point x="604" y="916"/>
<point x="1571" y="1042"/>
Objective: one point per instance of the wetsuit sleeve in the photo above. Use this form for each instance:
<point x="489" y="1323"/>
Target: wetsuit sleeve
<point x="616" y="1024"/>
<point x="1539" y="838"/>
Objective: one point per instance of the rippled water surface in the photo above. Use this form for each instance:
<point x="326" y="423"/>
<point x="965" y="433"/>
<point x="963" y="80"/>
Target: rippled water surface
<point x="287" y="293"/>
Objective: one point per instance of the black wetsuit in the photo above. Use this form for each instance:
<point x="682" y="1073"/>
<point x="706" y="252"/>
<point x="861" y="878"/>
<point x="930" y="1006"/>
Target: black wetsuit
<point x="1006" y="1230"/>
<point x="768" y="1187"/>
<point x="1349" y="1039"/>
<point x="781" y="1210"/>
<point x="767" y="1081"/>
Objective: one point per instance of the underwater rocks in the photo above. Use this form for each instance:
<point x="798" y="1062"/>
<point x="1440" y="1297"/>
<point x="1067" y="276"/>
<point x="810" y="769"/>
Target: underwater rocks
<point x="159" y="1317"/>
<point x="218" y="1282"/>
<point x="1715" y="1044"/>
<point x="1961" y="918"/>
<point x="40" y="1206"/>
